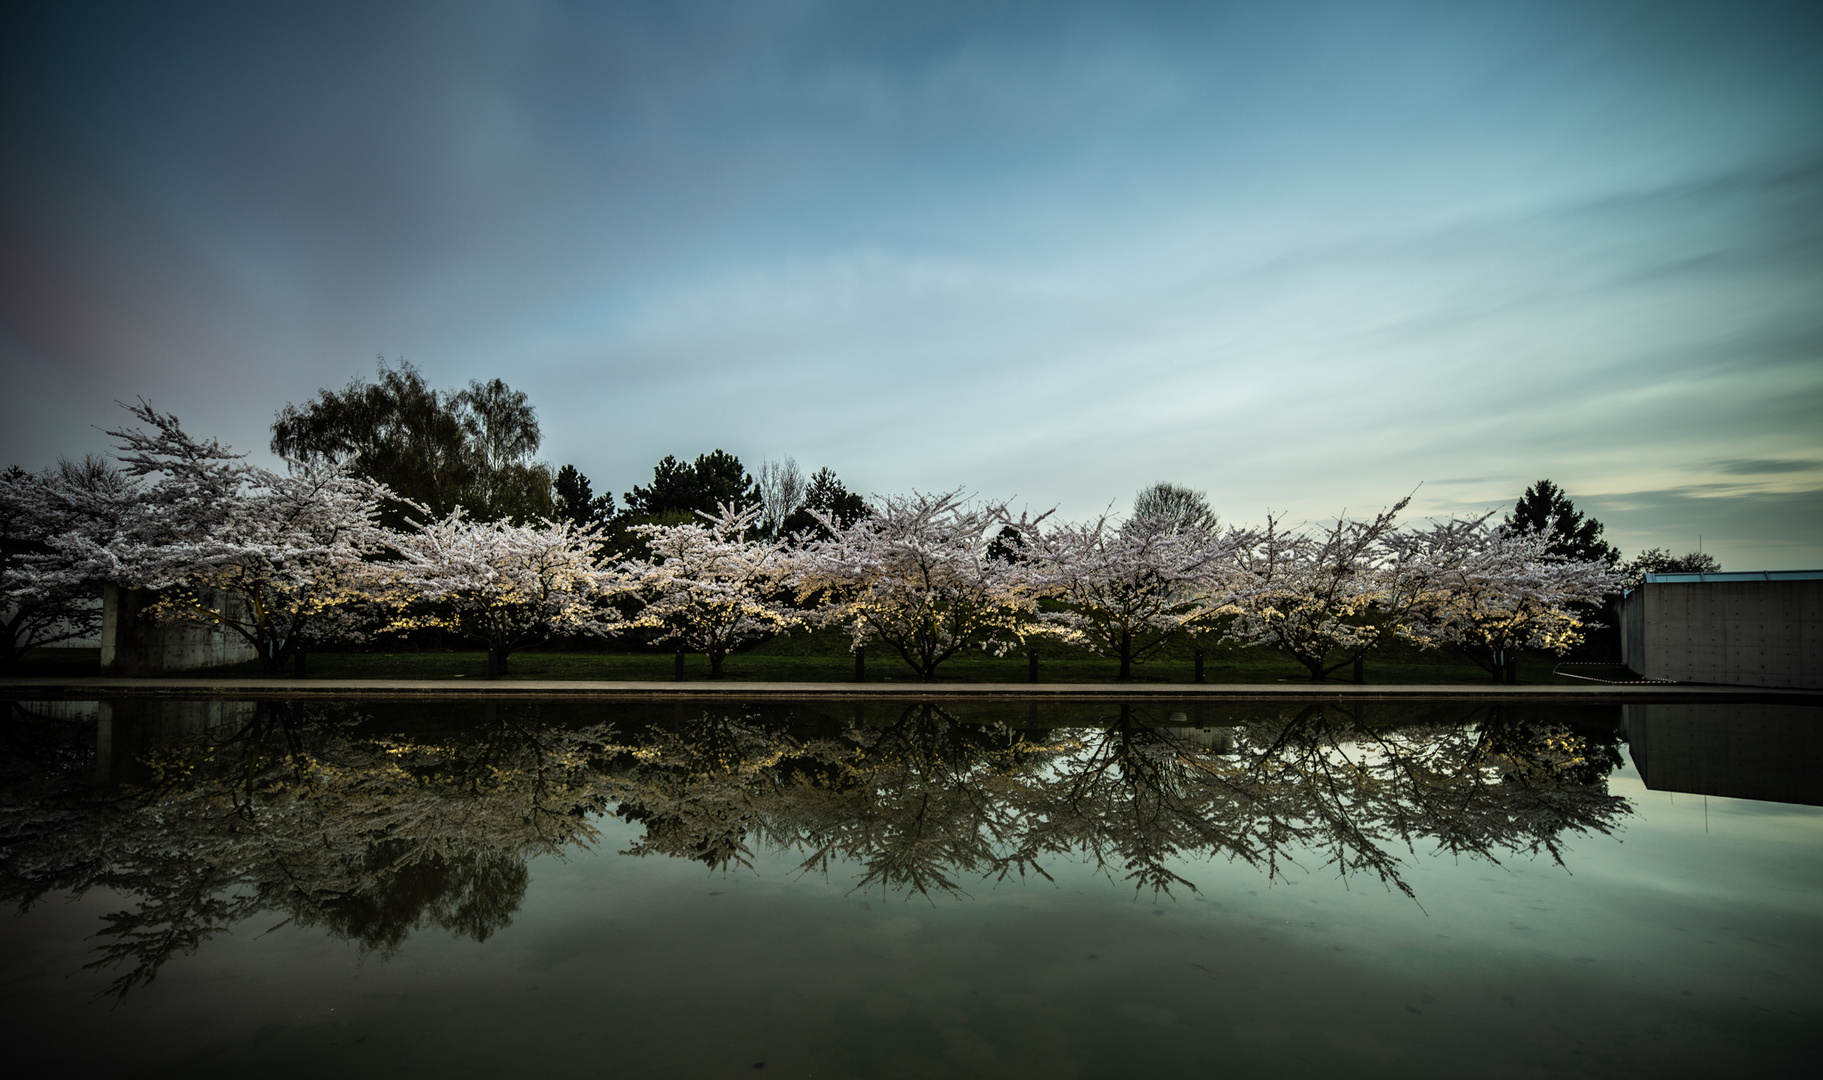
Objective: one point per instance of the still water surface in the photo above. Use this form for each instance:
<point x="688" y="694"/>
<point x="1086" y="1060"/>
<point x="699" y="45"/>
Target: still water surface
<point x="372" y="889"/>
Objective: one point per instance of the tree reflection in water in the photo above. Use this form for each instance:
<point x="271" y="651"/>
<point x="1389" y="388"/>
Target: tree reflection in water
<point x="325" y="814"/>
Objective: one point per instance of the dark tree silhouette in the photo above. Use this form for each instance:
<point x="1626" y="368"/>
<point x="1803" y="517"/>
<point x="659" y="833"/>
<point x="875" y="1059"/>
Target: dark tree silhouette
<point x="827" y="496"/>
<point x="1660" y="561"/>
<point x="471" y="447"/>
<point x="575" y="501"/>
<point x="1576" y="537"/>
<point x="683" y="488"/>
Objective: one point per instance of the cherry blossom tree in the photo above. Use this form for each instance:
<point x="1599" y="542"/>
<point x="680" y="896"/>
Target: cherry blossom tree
<point x="43" y="599"/>
<point x="917" y="575"/>
<point x="1128" y="587"/>
<point x="709" y="586"/>
<point x="505" y="585"/>
<point x="1490" y="591"/>
<point x="1323" y="595"/>
<point x="275" y="558"/>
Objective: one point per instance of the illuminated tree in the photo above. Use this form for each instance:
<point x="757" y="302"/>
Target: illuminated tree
<point x="277" y="559"/>
<point x="504" y="585"/>
<point x="1491" y="591"/>
<point x="710" y="587"/>
<point x="44" y="599"/>
<point x="1322" y="594"/>
<point x="917" y="575"/>
<point x="1127" y="588"/>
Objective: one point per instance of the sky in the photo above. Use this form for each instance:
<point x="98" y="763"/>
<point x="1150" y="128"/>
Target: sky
<point x="1307" y="257"/>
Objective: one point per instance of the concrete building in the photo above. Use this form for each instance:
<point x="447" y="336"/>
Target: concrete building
<point x="135" y="643"/>
<point x="1763" y="628"/>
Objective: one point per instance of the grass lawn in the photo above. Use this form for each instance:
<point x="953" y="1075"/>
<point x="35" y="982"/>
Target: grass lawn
<point x="824" y="657"/>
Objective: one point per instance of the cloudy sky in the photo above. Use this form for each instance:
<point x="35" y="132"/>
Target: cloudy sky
<point x="1305" y="256"/>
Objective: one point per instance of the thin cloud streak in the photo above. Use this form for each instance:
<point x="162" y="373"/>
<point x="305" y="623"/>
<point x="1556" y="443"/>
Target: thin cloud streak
<point x="1303" y="256"/>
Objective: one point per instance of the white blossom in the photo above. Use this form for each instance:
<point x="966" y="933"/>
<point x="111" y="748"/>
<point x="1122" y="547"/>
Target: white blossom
<point x="709" y="586"/>
<point x="917" y="575"/>
<point x="1127" y="588"/>
<point x="1491" y="590"/>
<point x="1317" y="593"/>
<point x="503" y="584"/>
<point x="45" y="598"/>
<point x="276" y="558"/>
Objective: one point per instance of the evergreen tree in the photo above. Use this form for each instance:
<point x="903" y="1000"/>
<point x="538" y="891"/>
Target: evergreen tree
<point x="1575" y="536"/>
<point x="827" y="496"/>
<point x="576" y="503"/>
<point x="683" y="488"/>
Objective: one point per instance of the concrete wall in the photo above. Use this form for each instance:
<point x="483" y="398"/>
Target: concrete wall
<point x="134" y="643"/>
<point x="1737" y="633"/>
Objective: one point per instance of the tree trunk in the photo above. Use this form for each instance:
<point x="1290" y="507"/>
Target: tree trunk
<point x="1126" y="657"/>
<point x="715" y="663"/>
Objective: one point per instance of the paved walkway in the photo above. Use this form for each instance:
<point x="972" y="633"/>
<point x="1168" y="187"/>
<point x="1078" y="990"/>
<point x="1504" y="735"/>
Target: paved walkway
<point x="753" y="691"/>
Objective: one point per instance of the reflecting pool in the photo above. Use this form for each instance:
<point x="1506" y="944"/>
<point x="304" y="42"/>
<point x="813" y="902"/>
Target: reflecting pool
<point x="911" y="889"/>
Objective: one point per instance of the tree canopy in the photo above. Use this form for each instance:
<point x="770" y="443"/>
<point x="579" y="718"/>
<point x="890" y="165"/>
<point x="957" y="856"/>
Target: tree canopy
<point x="825" y="495"/>
<point x="681" y="487"/>
<point x="1575" y="536"/>
<point x="471" y="448"/>
<point x="576" y="503"/>
<point x="1661" y="561"/>
<point x="1179" y="507"/>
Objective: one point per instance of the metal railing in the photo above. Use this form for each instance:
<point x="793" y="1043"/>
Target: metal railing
<point x="1636" y="680"/>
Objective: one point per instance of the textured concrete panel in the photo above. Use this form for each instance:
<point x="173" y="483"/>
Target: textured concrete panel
<point x="133" y="642"/>
<point x="1739" y="633"/>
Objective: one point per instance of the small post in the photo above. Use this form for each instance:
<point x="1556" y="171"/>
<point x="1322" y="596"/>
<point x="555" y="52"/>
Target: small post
<point x="1360" y="669"/>
<point x="493" y="662"/>
<point x="1199" y="665"/>
<point x="677" y="669"/>
<point x="860" y="663"/>
<point x="1031" y="665"/>
<point x="297" y="661"/>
